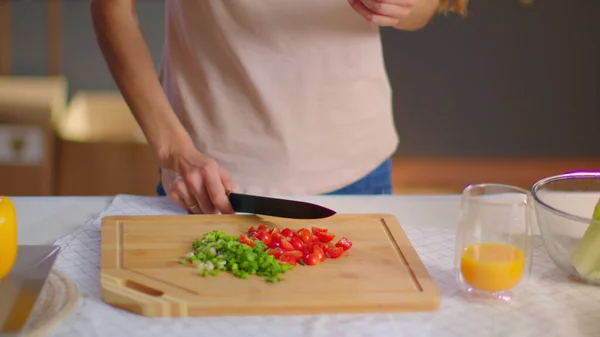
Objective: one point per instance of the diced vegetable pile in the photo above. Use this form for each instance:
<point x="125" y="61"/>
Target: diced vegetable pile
<point x="263" y="251"/>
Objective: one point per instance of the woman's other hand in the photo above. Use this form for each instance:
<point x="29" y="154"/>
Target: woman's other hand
<point x="409" y="15"/>
<point x="383" y="12"/>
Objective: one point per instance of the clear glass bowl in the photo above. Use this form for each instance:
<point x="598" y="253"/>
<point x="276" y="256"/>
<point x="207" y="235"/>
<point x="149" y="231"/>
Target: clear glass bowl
<point x="564" y="205"/>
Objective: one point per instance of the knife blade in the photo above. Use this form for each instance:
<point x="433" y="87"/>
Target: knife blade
<point x="20" y="289"/>
<point x="246" y="203"/>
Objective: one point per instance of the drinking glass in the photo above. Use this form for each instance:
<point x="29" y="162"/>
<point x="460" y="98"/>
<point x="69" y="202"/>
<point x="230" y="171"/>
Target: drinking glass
<point x="493" y="241"/>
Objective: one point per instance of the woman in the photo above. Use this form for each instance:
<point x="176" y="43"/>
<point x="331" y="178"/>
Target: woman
<point x="270" y="97"/>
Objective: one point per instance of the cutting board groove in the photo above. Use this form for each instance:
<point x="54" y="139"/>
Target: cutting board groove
<point x="381" y="273"/>
<point x="402" y="256"/>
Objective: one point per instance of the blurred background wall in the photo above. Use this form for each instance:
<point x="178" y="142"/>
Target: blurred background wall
<point x="509" y="94"/>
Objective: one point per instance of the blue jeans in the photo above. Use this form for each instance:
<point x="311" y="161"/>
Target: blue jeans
<point x="378" y="181"/>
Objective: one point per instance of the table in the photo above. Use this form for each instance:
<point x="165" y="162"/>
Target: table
<point x="42" y="220"/>
<point x="553" y="307"/>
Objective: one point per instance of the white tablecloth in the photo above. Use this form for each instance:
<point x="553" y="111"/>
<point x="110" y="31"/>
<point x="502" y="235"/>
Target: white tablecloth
<point x="550" y="306"/>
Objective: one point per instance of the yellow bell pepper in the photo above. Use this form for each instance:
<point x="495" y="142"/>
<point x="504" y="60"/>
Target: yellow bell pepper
<point x="8" y="236"/>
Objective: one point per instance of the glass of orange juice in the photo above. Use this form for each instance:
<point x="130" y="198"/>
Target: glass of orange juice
<point x="493" y="241"/>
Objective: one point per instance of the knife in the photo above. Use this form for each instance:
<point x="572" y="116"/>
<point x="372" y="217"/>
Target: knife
<point x="20" y="289"/>
<point x="246" y="203"/>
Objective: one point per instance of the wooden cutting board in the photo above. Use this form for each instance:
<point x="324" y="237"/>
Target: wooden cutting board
<point x="380" y="273"/>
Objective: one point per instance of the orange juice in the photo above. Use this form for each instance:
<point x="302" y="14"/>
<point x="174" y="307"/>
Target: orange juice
<point x="492" y="267"/>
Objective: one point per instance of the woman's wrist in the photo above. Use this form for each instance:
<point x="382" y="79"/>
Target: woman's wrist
<point x="169" y="143"/>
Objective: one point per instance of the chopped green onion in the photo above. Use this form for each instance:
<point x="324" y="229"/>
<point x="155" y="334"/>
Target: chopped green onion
<point x="216" y="251"/>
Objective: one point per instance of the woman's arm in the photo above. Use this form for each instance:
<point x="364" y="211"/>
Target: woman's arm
<point x="130" y="63"/>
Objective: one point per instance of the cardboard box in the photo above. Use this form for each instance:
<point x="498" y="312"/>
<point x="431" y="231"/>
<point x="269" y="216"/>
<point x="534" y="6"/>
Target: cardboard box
<point x="102" y="150"/>
<point x="43" y="96"/>
<point x="30" y="107"/>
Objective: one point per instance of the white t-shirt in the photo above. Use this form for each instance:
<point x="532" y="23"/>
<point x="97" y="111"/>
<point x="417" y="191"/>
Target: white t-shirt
<point x="290" y="97"/>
